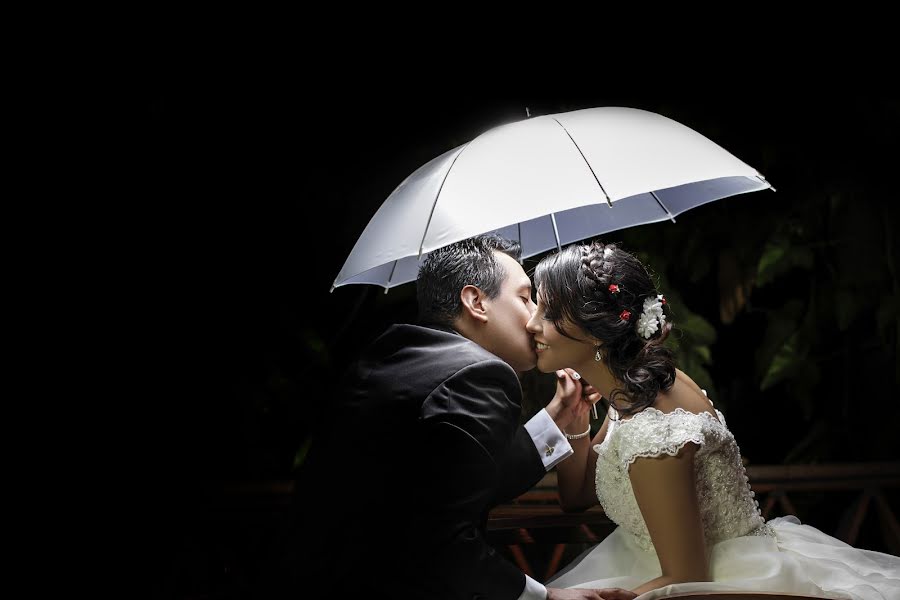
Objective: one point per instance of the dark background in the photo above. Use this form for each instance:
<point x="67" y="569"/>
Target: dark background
<point x="254" y="178"/>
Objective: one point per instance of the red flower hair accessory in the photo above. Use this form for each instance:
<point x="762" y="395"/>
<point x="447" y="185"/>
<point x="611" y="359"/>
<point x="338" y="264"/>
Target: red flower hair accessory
<point x="625" y="315"/>
<point x="613" y="288"/>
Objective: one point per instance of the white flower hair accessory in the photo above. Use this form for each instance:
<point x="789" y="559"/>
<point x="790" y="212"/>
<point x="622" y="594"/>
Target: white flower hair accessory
<point x="652" y="318"/>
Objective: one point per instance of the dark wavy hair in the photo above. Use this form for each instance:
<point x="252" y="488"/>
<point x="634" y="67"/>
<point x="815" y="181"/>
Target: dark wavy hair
<point x="575" y="287"/>
<point x="446" y="271"/>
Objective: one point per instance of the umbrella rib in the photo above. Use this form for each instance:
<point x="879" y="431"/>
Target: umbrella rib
<point x="668" y="212"/>
<point x="608" y="201"/>
<point x="521" y="245"/>
<point x="555" y="232"/>
<point x="437" y="197"/>
<point x="391" y="276"/>
<point x="763" y="179"/>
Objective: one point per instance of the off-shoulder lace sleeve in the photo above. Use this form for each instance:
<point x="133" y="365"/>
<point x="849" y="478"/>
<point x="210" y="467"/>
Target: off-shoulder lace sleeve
<point x="727" y="505"/>
<point x="652" y="433"/>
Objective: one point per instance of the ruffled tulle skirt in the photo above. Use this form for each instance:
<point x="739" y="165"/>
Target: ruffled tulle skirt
<point x="800" y="559"/>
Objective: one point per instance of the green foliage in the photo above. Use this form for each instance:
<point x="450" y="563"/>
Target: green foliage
<point x="815" y="274"/>
<point x="302" y="452"/>
<point x="693" y="351"/>
<point x="778" y="258"/>
<point x="785" y="306"/>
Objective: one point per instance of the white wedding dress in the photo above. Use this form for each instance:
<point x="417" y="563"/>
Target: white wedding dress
<point x="746" y="553"/>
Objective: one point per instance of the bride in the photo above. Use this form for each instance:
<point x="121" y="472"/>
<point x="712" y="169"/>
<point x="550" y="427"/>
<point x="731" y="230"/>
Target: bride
<point x="664" y="465"/>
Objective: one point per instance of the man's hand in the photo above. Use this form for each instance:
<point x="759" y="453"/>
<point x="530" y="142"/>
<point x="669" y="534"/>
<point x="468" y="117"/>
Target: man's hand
<point x="586" y="594"/>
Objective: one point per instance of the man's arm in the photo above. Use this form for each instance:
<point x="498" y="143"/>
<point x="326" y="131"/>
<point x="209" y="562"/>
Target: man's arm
<point x="468" y="424"/>
<point x="543" y="438"/>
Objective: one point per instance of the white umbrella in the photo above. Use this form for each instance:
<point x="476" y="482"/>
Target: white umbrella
<point x="546" y="182"/>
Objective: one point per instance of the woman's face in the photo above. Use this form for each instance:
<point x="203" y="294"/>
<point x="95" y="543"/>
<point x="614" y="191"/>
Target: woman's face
<point x="554" y="350"/>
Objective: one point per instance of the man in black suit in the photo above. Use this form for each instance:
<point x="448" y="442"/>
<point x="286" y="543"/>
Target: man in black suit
<point x="426" y="440"/>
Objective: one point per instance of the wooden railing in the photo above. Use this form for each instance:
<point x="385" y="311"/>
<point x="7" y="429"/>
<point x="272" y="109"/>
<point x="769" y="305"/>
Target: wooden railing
<point x="535" y="521"/>
<point x="535" y="517"/>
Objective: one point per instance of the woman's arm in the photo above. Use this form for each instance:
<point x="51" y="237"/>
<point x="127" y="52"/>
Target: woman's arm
<point x="666" y="494"/>
<point x="575" y="475"/>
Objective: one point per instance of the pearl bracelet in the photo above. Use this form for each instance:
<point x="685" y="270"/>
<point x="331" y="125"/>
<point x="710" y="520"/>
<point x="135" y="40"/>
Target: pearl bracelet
<point x="578" y="436"/>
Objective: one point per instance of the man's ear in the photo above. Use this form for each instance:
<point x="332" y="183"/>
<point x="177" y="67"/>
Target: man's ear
<point x="472" y="299"/>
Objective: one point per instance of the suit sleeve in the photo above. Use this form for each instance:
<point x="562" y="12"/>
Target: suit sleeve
<point x="538" y="447"/>
<point x="468" y="425"/>
<point x="519" y="469"/>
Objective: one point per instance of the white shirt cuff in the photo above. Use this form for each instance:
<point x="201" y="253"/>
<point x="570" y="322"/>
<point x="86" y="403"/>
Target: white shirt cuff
<point x="550" y="442"/>
<point x="533" y="590"/>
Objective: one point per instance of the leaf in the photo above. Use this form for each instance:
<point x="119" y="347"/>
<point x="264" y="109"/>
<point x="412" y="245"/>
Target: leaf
<point x="698" y="329"/>
<point x="770" y="263"/>
<point x="779" y="258"/>
<point x="704" y="353"/>
<point x="785" y="363"/>
<point x="302" y="452"/>
<point x="782" y="323"/>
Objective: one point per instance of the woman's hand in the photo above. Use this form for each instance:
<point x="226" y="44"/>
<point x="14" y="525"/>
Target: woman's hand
<point x="572" y="400"/>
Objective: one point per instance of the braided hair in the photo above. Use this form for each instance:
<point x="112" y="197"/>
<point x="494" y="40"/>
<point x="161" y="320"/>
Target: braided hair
<point x="601" y="289"/>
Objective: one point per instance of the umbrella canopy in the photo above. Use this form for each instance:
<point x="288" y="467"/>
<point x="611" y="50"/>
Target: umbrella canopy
<point x="546" y="182"/>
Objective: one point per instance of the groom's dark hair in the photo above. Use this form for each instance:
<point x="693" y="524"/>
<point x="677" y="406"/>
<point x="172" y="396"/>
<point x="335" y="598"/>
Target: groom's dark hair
<point x="446" y="271"/>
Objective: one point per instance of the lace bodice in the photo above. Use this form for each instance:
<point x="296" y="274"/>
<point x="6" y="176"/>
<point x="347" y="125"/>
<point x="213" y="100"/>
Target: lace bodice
<point x="727" y="505"/>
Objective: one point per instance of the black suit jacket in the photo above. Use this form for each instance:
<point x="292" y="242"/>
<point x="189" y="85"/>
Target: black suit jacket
<point x="427" y="442"/>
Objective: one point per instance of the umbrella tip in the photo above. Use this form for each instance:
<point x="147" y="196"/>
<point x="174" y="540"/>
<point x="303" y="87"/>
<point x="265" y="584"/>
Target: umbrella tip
<point x="763" y="179"/>
<point x="527" y="113"/>
<point x="332" y="289"/>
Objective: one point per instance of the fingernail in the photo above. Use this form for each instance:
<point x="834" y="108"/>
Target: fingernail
<point x="575" y="375"/>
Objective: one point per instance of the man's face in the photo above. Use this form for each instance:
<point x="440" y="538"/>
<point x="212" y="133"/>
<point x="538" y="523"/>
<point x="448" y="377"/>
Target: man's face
<point x="508" y="314"/>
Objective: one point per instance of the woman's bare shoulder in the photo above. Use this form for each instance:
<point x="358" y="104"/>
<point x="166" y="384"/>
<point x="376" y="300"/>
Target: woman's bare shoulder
<point x="686" y="395"/>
